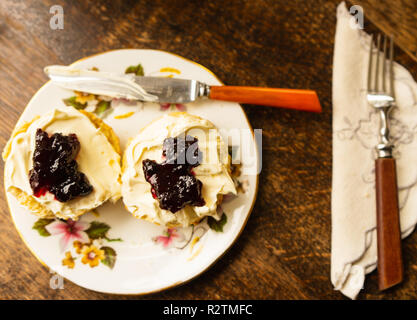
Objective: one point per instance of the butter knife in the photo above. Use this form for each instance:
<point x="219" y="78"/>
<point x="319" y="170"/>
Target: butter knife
<point x="170" y="90"/>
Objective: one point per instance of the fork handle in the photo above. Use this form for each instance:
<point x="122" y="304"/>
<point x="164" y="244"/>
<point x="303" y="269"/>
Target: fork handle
<point x="305" y="100"/>
<point x="390" y="264"/>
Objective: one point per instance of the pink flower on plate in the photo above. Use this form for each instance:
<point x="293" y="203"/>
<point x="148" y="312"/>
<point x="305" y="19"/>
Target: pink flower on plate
<point x="178" y="106"/>
<point x="166" y="240"/>
<point x="70" y="230"/>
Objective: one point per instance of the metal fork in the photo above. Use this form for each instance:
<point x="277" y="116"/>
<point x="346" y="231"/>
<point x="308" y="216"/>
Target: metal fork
<point x="382" y="97"/>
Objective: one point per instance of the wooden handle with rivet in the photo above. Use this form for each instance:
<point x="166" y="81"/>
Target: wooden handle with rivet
<point x="390" y="264"/>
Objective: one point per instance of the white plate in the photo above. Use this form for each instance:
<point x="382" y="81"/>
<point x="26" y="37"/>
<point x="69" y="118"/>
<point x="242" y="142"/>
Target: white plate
<point x="142" y="263"/>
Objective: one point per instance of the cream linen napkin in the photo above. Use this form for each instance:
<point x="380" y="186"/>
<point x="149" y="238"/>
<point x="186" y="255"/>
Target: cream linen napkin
<point x="355" y="125"/>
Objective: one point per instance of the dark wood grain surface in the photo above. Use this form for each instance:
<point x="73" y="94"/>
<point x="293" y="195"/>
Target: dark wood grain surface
<point x="284" y="251"/>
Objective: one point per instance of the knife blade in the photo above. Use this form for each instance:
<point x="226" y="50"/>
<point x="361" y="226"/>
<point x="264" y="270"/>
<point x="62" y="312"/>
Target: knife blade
<point x="170" y="90"/>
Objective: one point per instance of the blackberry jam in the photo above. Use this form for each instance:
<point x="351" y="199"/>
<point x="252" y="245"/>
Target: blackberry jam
<point x="173" y="182"/>
<point x="55" y="169"/>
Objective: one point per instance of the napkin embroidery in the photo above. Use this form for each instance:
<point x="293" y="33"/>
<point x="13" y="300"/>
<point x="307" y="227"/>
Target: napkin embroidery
<point x="365" y="131"/>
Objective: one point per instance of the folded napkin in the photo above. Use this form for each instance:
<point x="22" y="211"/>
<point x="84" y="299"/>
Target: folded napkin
<point x="355" y="126"/>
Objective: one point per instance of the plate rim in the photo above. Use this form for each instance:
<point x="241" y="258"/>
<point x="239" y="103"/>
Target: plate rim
<point x="179" y="283"/>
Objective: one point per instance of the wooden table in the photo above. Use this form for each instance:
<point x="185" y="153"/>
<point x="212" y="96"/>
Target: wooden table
<point x="284" y="252"/>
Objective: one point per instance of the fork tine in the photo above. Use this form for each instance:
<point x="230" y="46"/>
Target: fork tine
<point x="384" y="65"/>
<point x="371" y="46"/>
<point x="391" y="67"/>
<point x="378" y="44"/>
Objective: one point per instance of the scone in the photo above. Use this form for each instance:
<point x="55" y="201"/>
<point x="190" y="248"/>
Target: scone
<point x="176" y="171"/>
<point x="63" y="164"/>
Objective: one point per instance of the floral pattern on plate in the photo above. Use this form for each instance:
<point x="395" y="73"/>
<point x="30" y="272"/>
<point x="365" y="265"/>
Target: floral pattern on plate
<point x="86" y="238"/>
<point x="180" y="238"/>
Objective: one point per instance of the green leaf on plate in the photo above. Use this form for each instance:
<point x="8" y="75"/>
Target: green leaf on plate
<point x="71" y="102"/>
<point x="113" y="240"/>
<point x="137" y="70"/>
<point x="97" y="230"/>
<point x="109" y="257"/>
<point x="40" y="225"/>
<point x="217" y="225"/>
<point x="102" y="107"/>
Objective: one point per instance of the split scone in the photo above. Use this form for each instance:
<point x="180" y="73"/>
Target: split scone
<point x="63" y="164"/>
<point x="176" y="171"/>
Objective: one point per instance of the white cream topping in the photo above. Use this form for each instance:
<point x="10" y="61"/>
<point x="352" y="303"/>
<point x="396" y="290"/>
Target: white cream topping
<point x="97" y="159"/>
<point x="212" y="172"/>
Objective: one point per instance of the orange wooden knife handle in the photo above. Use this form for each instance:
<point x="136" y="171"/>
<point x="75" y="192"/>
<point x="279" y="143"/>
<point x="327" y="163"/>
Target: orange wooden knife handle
<point x="390" y="264"/>
<point x="305" y="100"/>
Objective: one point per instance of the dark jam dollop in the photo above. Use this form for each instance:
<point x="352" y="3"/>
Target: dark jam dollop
<point x="173" y="182"/>
<point x="55" y="169"/>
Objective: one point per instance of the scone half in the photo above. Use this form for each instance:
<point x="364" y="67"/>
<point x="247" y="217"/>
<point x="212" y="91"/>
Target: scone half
<point x="213" y="172"/>
<point x="98" y="158"/>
